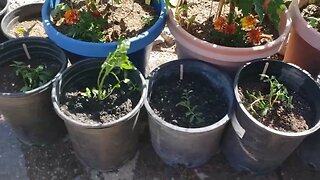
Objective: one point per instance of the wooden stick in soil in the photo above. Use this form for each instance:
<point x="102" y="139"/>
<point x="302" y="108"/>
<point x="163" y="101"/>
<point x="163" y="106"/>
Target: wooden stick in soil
<point x="265" y="69"/>
<point x="26" y="51"/>
<point x="181" y="71"/>
<point x="219" y="10"/>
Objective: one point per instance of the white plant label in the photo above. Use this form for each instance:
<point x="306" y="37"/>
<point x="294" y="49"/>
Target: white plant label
<point x="237" y="127"/>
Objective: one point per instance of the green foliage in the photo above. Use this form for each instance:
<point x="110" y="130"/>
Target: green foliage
<point x="261" y="105"/>
<point x="116" y="62"/>
<point x="191" y="113"/>
<point x="147" y="20"/>
<point x="32" y="77"/>
<point x="273" y="9"/>
<point x="231" y="40"/>
<point x="182" y="15"/>
<point x="88" y="28"/>
<point x="314" y="22"/>
<point x="62" y="7"/>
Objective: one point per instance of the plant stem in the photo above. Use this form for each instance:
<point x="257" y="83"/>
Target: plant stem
<point x="232" y="11"/>
<point x="219" y="10"/>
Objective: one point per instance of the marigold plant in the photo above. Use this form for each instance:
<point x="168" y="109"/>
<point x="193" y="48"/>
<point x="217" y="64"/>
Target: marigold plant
<point x="244" y="28"/>
<point x="247" y="23"/>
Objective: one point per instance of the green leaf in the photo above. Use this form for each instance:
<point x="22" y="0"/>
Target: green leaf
<point x="24" y="89"/>
<point x="245" y="6"/>
<point x="258" y="7"/>
<point x="127" y="66"/>
<point x="192" y="118"/>
<point x="126" y="80"/>
<point x="148" y="2"/>
<point x="273" y="11"/>
<point x="183" y="104"/>
<point x="188" y="113"/>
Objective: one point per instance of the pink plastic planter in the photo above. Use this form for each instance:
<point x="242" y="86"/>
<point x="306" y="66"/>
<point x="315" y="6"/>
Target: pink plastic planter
<point x="304" y="42"/>
<point x="227" y="58"/>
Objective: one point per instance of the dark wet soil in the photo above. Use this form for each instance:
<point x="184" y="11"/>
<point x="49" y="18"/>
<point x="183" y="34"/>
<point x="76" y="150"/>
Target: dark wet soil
<point x="206" y="103"/>
<point x="93" y="111"/>
<point x="10" y="82"/>
<point x="281" y="117"/>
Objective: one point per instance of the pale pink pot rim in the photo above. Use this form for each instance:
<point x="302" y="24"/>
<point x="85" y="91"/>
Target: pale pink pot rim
<point x="308" y="33"/>
<point x="228" y="54"/>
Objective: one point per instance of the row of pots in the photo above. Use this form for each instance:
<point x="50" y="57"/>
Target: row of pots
<point x="302" y="38"/>
<point x="247" y="143"/>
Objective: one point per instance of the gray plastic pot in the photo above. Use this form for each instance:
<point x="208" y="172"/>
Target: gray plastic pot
<point x="3" y="11"/>
<point x="103" y="147"/>
<point x="249" y="145"/>
<point x="22" y="13"/>
<point x="31" y="114"/>
<point x="187" y="146"/>
<point x="309" y="150"/>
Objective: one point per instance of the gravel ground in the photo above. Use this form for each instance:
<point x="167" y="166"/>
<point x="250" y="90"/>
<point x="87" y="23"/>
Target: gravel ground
<point x="57" y="161"/>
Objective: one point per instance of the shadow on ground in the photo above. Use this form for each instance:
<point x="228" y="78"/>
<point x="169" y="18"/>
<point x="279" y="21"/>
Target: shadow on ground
<point x="57" y="161"/>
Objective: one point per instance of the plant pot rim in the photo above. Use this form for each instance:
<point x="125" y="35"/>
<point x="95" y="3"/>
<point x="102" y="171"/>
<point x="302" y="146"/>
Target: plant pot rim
<point x="201" y="44"/>
<point x="200" y="130"/>
<point x="69" y="120"/>
<point x="311" y="35"/>
<point x="44" y="86"/>
<point x="137" y="42"/>
<point x="5" y="8"/>
<point x="258" y="123"/>
<point x="4" y="26"/>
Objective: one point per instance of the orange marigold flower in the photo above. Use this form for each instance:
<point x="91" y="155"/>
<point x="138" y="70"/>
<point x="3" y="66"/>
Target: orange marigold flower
<point x="71" y="16"/>
<point x="254" y="36"/>
<point x="219" y="23"/>
<point x="249" y="22"/>
<point x="230" y="29"/>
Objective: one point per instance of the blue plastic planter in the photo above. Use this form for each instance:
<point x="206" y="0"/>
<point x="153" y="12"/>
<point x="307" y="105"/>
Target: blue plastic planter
<point x="139" y="49"/>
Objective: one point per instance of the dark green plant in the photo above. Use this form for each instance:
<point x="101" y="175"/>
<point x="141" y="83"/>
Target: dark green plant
<point x="116" y="62"/>
<point x="182" y="16"/>
<point x="32" y="77"/>
<point x="147" y="20"/>
<point x="311" y="13"/>
<point x="191" y="113"/>
<point x="88" y="28"/>
<point x="261" y="105"/>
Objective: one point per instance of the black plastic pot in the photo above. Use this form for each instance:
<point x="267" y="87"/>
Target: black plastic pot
<point x="22" y="13"/>
<point x="31" y="114"/>
<point x="188" y="146"/>
<point x="4" y="4"/>
<point x="249" y="145"/>
<point x="107" y="146"/>
<point x="309" y="150"/>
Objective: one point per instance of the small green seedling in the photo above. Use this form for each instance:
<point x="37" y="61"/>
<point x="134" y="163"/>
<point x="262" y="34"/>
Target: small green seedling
<point x="20" y="31"/>
<point x="32" y="77"/>
<point x="147" y="20"/>
<point x="191" y="113"/>
<point x="261" y="105"/>
<point x="182" y="14"/>
<point x="113" y="65"/>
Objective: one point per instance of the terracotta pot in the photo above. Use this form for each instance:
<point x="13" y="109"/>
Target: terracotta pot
<point x="303" y="48"/>
<point x="227" y="58"/>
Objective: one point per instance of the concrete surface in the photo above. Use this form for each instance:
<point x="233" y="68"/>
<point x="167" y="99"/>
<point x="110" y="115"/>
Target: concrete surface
<point x="57" y="161"/>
